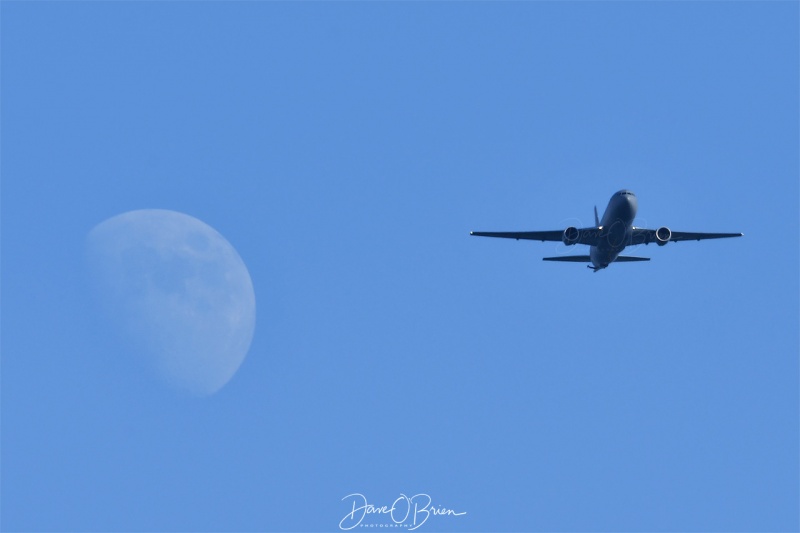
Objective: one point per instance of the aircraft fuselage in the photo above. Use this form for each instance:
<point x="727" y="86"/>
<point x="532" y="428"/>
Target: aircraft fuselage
<point x="616" y="229"/>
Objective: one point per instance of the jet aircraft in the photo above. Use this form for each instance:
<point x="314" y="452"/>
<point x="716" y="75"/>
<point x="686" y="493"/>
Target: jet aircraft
<point x="609" y="236"/>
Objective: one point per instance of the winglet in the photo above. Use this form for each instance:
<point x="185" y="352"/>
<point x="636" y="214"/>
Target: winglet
<point x="596" y="219"/>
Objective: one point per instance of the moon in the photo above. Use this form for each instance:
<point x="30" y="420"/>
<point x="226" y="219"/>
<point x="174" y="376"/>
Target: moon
<point x="179" y="292"/>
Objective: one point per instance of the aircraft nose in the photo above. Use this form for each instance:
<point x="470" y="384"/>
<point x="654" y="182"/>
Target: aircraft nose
<point x="628" y="207"/>
<point x="632" y="205"/>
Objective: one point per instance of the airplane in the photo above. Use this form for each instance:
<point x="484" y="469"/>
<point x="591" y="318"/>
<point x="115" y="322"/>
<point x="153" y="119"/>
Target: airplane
<point x="609" y="236"/>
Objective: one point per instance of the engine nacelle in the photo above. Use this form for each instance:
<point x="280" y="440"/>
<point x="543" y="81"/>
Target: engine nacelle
<point x="570" y="236"/>
<point x="663" y="235"/>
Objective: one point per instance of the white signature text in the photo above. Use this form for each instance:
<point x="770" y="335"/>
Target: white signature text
<point x="408" y="511"/>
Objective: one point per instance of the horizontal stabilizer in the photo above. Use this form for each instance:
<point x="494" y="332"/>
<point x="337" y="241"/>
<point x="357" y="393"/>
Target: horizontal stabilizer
<point x="569" y="258"/>
<point x="587" y="259"/>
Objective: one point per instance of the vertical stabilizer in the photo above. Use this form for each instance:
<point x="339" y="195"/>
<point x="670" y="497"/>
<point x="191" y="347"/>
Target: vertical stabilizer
<point x="596" y="219"/>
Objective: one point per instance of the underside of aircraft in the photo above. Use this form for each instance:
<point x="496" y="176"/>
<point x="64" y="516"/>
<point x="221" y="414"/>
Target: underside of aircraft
<point x="609" y="236"/>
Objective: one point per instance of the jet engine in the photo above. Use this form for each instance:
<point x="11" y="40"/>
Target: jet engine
<point x="571" y="236"/>
<point x="663" y="235"/>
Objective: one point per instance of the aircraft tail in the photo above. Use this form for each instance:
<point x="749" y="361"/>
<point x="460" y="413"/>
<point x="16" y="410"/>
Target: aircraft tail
<point x="596" y="218"/>
<point x="587" y="259"/>
<point x="569" y="258"/>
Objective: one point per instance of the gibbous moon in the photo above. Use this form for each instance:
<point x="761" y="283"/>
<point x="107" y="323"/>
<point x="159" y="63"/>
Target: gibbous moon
<point x="180" y="293"/>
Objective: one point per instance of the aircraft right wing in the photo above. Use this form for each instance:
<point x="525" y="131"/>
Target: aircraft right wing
<point x="528" y="235"/>
<point x="584" y="235"/>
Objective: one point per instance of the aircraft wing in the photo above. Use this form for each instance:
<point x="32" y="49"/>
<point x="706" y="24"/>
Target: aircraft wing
<point x="585" y="235"/>
<point x="528" y="235"/>
<point x="646" y="236"/>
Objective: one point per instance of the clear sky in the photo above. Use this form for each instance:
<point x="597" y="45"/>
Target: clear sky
<point x="346" y="150"/>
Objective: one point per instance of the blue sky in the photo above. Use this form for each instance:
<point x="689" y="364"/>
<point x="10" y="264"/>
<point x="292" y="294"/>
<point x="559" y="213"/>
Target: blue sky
<point x="346" y="150"/>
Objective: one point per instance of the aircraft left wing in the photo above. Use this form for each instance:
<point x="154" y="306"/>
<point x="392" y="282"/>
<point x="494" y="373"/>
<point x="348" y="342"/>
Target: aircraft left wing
<point x="582" y="236"/>
<point x="646" y="236"/>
